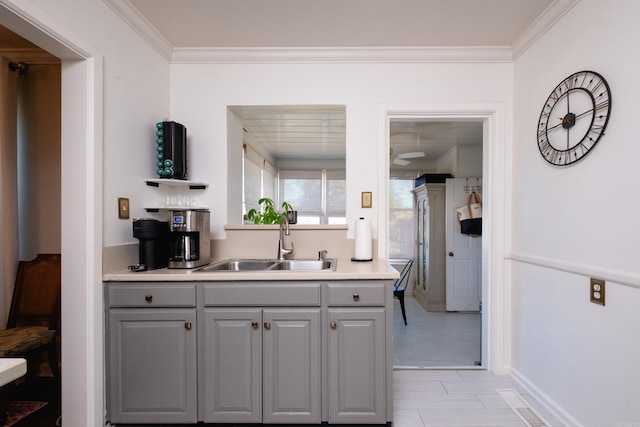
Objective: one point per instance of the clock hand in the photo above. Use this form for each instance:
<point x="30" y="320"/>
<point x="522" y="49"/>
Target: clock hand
<point x="584" y="114"/>
<point x="566" y="122"/>
<point x="556" y="126"/>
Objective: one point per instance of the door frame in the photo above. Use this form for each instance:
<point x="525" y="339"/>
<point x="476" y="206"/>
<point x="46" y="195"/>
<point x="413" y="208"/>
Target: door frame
<point x="495" y="331"/>
<point x="81" y="194"/>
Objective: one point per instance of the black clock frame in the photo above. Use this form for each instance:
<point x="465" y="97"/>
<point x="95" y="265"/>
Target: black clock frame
<point x="597" y="88"/>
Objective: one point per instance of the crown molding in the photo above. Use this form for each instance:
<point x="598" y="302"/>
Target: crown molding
<point x="341" y="55"/>
<point x="142" y="26"/>
<point x="547" y="19"/>
<point x="32" y="56"/>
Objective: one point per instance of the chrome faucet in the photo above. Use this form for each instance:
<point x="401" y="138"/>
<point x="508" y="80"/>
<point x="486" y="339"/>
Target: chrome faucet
<point x="282" y="251"/>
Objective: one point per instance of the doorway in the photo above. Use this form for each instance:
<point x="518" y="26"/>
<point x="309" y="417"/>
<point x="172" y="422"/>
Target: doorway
<point x="492" y="117"/>
<point x="81" y="223"/>
<point x="425" y="154"/>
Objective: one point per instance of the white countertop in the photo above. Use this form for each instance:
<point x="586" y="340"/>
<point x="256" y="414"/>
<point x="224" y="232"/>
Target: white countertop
<point x="11" y="368"/>
<point x="345" y="270"/>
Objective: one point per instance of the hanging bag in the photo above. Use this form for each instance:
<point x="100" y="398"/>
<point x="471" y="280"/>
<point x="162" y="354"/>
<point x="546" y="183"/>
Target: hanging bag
<point x="470" y="215"/>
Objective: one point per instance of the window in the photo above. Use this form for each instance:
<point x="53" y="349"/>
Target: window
<point x="259" y="180"/>
<point x="336" y="197"/>
<point x="401" y="218"/>
<point x="318" y="196"/>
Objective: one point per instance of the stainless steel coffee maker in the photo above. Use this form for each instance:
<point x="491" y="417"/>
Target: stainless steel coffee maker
<point x="189" y="241"/>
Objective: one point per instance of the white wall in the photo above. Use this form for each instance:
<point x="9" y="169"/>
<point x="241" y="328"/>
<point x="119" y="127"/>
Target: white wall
<point x="39" y="161"/>
<point x="569" y="223"/>
<point x="200" y="94"/>
<point x="469" y="161"/>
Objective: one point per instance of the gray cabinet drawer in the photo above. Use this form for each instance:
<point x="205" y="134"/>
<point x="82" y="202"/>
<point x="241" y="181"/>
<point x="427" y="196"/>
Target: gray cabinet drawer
<point x="261" y="294"/>
<point x="151" y="295"/>
<point x="366" y="294"/>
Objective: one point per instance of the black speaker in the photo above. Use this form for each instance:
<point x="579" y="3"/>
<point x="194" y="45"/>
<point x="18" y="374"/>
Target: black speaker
<point x="171" y="138"/>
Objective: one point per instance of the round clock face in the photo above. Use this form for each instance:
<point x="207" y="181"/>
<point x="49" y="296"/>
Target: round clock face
<point x="574" y="118"/>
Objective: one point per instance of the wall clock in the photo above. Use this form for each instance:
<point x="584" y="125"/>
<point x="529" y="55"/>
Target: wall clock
<point x="574" y="118"/>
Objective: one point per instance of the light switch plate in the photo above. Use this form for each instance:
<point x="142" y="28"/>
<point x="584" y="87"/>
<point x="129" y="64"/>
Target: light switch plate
<point x="366" y="199"/>
<point x="123" y="208"/>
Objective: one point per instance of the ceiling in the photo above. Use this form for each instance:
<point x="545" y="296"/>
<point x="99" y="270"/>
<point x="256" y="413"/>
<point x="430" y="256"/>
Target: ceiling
<point x="318" y="132"/>
<point x="340" y="23"/>
<point x="314" y="132"/>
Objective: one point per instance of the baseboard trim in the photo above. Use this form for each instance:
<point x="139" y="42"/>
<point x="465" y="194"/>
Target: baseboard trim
<point x="549" y="404"/>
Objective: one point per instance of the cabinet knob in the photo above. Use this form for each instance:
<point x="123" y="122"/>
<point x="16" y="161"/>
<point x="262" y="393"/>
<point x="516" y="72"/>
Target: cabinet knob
<point x="356" y="297"/>
<point x="187" y="326"/>
<point x="254" y="325"/>
<point x="148" y="298"/>
<point x="333" y="325"/>
<point x="267" y="325"/>
<point x="450" y="253"/>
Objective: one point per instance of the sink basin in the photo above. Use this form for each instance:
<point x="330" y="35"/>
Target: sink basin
<point x="305" y="264"/>
<point x="239" y="265"/>
<point x="242" y="264"/>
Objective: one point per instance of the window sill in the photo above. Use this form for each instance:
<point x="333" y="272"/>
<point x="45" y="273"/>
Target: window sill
<point x="258" y="227"/>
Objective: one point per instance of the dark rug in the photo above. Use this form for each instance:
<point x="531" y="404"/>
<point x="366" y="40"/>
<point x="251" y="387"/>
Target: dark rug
<point x="18" y="410"/>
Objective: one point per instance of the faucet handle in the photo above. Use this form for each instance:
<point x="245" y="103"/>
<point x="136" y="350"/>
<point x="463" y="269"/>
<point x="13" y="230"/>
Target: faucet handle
<point x="321" y="255"/>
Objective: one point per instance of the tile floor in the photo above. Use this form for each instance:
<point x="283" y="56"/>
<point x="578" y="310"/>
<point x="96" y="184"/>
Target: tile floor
<point x="460" y="398"/>
<point x="451" y="390"/>
<point x="435" y="339"/>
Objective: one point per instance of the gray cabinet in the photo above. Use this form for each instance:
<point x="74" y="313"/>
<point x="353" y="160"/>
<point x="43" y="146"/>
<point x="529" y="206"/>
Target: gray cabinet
<point x="290" y="352"/>
<point x="261" y="364"/>
<point x="151" y="361"/>
<point x="232" y="367"/>
<point x="356" y="353"/>
<point x="291" y="366"/>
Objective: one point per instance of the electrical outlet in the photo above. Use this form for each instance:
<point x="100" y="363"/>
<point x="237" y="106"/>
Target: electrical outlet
<point x="596" y="291"/>
<point x="123" y="208"/>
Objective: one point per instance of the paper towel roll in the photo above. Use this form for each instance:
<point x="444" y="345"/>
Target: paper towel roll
<point x="363" y="240"/>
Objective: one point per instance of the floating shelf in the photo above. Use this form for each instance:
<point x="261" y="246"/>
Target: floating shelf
<point x="173" y="208"/>
<point x="193" y="185"/>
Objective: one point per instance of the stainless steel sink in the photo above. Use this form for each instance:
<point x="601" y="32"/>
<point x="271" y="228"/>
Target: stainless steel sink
<point x="305" y="264"/>
<point x="239" y="265"/>
<point x="242" y="264"/>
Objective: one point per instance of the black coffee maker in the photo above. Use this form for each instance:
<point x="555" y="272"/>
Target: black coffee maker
<point x="153" y="250"/>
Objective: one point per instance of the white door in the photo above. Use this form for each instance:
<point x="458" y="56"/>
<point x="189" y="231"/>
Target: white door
<point x="464" y="253"/>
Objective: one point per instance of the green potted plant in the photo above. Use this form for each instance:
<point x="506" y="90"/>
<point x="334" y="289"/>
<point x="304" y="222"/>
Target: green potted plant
<point x="269" y="214"/>
<point x="292" y="215"/>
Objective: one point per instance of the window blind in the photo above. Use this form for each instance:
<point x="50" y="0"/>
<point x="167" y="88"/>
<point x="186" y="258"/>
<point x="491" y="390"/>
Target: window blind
<point x="401" y="218"/>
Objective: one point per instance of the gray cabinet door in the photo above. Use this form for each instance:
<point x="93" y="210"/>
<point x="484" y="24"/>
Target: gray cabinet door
<point x="152" y="366"/>
<point x="232" y="365"/>
<point x="291" y="366"/>
<point x="357" y="374"/>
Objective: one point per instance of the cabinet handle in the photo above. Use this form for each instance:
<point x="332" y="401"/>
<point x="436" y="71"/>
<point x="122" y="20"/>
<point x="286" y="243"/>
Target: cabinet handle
<point x="187" y="326"/>
<point x="333" y="325"/>
<point x="267" y="325"/>
<point x="356" y="297"/>
<point x="254" y="325"/>
<point x="148" y="298"/>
